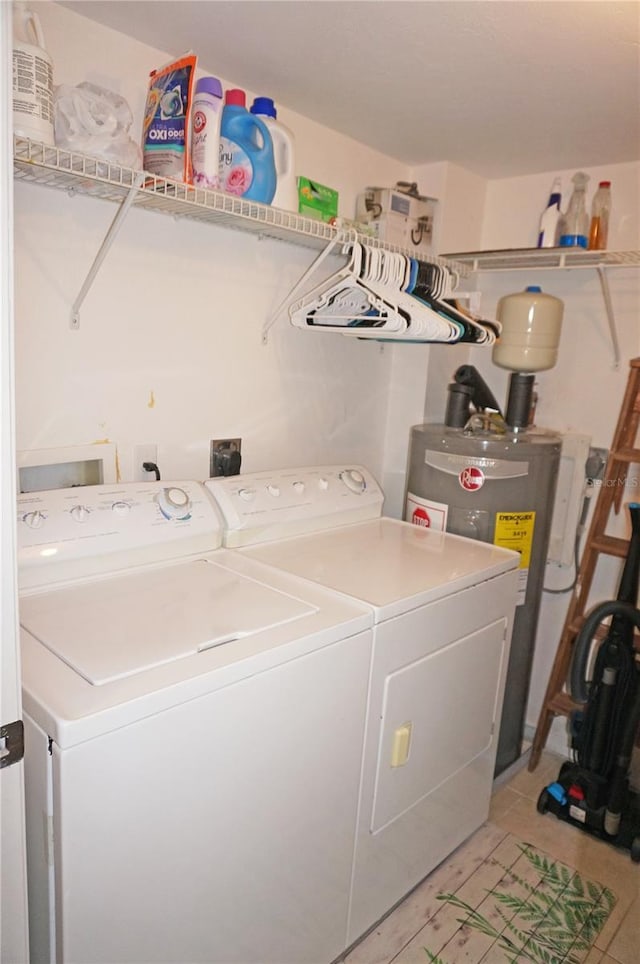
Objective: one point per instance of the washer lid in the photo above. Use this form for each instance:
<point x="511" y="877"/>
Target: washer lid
<point x="117" y="627"/>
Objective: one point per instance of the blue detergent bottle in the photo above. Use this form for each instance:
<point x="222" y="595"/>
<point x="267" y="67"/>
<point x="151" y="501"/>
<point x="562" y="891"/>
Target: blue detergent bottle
<point x="247" y="165"/>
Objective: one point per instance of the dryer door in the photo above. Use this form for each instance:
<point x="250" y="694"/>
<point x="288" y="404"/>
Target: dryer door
<point x="437" y="718"/>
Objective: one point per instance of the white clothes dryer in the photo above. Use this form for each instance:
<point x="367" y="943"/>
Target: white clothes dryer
<point x="194" y="726"/>
<point x="443" y="610"/>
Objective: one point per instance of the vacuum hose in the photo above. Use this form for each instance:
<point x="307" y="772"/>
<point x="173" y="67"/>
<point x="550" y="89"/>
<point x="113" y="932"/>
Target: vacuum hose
<point x="582" y="646"/>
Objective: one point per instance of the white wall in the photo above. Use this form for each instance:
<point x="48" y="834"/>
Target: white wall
<point x="169" y="349"/>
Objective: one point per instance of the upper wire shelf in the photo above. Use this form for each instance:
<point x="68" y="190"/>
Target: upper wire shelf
<point x="80" y="173"/>
<point x="515" y="259"/>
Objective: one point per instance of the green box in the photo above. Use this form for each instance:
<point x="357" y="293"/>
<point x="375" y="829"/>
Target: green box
<point x="316" y="201"/>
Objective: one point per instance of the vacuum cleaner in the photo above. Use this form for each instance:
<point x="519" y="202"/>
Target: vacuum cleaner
<point x="592" y="791"/>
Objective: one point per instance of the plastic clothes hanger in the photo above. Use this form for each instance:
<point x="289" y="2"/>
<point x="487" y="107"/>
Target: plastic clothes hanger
<point x="342" y="299"/>
<point x="433" y="286"/>
<point x="385" y="273"/>
<point x="370" y="296"/>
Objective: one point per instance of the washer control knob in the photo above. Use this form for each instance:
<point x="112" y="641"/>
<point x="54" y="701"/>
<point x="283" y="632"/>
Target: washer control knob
<point x="323" y="484"/>
<point x="79" y="513"/>
<point x="121" y="508"/>
<point x="174" y="503"/>
<point x="34" y="519"/>
<point x="298" y="487"/>
<point x="273" y="490"/>
<point x="354" y="480"/>
<point x="247" y="495"/>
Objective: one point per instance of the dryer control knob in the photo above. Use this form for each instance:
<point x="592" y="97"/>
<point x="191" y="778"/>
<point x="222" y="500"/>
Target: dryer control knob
<point x="79" y="513"/>
<point x="247" y="495"/>
<point x="354" y="480"/>
<point x="273" y="490"/>
<point x="121" y="508"/>
<point x="323" y="484"/>
<point x="34" y="519"/>
<point x="174" y="503"/>
<point x="298" y="487"/>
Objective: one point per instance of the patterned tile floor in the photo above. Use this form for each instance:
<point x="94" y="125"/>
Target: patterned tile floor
<point x="403" y="935"/>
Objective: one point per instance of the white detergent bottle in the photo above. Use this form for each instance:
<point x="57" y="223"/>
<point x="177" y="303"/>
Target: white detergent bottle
<point x="32" y="78"/>
<point x="286" y="195"/>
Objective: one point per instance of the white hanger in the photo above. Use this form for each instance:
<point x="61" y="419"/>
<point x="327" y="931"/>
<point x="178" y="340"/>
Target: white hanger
<point x="344" y="299"/>
<point x="384" y="274"/>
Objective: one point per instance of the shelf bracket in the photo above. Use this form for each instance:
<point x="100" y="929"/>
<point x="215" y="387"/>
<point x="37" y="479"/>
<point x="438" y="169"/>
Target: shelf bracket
<point x="110" y="237"/>
<point x="608" y="306"/>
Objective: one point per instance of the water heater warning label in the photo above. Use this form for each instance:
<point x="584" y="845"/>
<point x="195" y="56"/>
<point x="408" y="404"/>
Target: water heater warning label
<point x="514" y="530"/>
<point x="425" y="513"/>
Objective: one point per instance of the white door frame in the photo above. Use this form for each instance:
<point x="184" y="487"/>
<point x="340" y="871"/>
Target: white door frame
<point x="13" y="916"/>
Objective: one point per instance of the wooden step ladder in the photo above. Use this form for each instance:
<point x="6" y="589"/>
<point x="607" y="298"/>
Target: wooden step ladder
<point x="557" y="702"/>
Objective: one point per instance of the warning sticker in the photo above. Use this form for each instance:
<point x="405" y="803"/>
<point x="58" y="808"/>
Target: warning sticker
<point x="425" y="513"/>
<point x="514" y="530"/>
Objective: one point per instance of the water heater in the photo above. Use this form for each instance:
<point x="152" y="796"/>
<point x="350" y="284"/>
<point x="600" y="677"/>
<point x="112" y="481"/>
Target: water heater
<point x="492" y="478"/>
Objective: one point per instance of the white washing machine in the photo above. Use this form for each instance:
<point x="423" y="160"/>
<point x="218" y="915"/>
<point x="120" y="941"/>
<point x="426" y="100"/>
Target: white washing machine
<point x="194" y="729"/>
<point x="443" y="610"/>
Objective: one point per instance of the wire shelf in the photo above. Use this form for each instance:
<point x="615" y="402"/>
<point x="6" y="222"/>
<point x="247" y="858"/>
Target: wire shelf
<point x="544" y="258"/>
<point x="517" y="259"/>
<point x="79" y="173"/>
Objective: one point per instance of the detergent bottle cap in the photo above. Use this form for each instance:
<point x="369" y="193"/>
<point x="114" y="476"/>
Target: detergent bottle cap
<point x="209" y="85"/>
<point x="235" y="97"/>
<point x="264" y="105"/>
<point x="533" y="288"/>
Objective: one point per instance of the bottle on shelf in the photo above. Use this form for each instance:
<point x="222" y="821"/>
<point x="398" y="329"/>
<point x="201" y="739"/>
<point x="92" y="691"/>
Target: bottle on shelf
<point x="549" y="221"/>
<point x="247" y="168"/>
<point x="600" y="213"/>
<point x="205" y="132"/>
<point x="33" y="111"/>
<point x="575" y="222"/>
<point x="286" y="195"/>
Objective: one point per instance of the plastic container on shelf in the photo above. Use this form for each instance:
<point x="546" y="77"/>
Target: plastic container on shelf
<point x="531" y="323"/>
<point x="247" y="168"/>
<point x="206" y="114"/>
<point x="32" y="78"/>
<point x="575" y="223"/>
<point x="286" y="195"/>
<point x="550" y="219"/>
<point x="600" y="214"/>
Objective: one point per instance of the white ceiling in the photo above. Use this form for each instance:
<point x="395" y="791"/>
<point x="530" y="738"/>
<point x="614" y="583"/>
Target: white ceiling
<point x="501" y="87"/>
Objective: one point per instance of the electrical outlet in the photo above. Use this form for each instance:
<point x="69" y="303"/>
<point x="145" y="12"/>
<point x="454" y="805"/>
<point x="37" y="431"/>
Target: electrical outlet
<point x="144" y="453"/>
<point x="224" y="458"/>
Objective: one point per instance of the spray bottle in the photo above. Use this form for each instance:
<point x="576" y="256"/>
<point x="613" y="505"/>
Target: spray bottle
<point x="575" y="227"/>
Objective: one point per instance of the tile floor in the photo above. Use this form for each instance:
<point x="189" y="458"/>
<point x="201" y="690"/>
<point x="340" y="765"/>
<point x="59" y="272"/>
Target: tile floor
<point x="513" y="809"/>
